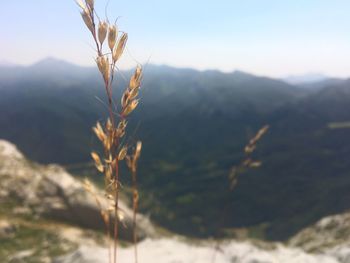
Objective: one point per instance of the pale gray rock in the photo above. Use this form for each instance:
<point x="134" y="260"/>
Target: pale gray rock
<point x="341" y="253"/>
<point x="329" y="236"/>
<point x="179" y="251"/>
<point x="327" y="233"/>
<point x="50" y="191"/>
<point x="21" y="256"/>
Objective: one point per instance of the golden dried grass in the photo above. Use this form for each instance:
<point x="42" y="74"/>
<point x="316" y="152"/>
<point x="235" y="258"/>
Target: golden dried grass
<point x="110" y="135"/>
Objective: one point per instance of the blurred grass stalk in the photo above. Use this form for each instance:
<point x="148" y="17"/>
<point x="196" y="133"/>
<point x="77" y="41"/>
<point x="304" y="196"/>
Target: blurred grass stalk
<point x="247" y="163"/>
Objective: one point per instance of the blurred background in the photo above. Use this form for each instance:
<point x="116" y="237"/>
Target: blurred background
<point x="214" y="74"/>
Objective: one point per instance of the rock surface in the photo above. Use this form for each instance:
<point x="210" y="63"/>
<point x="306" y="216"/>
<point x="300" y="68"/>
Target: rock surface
<point x="330" y="235"/>
<point x="174" y="250"/>
<point x="329" y="232"/>
<point x="50" y="192"/>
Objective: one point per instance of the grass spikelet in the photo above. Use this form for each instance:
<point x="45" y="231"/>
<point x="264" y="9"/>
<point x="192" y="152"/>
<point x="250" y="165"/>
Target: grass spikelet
<point x="102" y="31"/>
<point x="120" y="47"/>
<point x="98" y="163"/>
<point x="251" y="146"/>
<point x="99" y="132"/>
<point x="90" y="4"/>
<point x="87" y="20"/>
<point x="135" y="80"/>
<point x="103" y="65"/>
<point x="130" y="107"/>
<point x="112" y="36"/>
<point x="122" y="153"/>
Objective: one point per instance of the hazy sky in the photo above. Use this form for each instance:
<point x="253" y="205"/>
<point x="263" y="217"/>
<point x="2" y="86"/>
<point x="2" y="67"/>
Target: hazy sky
<point x="266" y="37"/>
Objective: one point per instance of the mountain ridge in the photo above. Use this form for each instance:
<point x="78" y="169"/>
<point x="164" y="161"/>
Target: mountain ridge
<point x="296" y="80"/>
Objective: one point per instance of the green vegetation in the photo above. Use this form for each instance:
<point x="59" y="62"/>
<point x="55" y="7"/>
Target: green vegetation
<point x="41" y="243"/>
<point x="339" y="125"/>
<point x="36" y="236"/>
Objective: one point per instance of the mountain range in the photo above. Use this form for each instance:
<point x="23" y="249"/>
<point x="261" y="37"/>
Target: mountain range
<point x="194" y="125"/>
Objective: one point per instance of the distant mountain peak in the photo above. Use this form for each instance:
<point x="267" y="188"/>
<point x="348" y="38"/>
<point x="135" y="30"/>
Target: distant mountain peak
<point x="306" y="78"/>
<point x="53" y="62"/>
<point x="240" y="73"/>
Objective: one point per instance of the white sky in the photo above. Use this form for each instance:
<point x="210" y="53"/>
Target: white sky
<point x="273" y="38"/>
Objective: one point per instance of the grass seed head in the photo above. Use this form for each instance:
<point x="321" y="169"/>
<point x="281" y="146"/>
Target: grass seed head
<point x="138" y="150"/>
<point x="251" y="146"/>
<point x="122" y="124"/>
<point x="133" y="93"/>
<point x="98" y="162"/>
<point x="112" y="36"/>
<point x="102" y="31"/>
<point x="118" y="52"/>
<point x="122" y="153"/>
<point x="87" y="20"/>
<point x="131" y="106"/>
<point x="121" y="128"/>
<point x="103" y="65"/>
<point x="90" y="3"/>
<point x="109" y="125"/>
<point x="99" y="132"/>
<point x="135" y="80"/>
<point x="125" y="98"/>
<point x="255" y="164"/>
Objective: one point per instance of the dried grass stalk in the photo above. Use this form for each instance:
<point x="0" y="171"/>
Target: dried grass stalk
<point x="111" y="133"/>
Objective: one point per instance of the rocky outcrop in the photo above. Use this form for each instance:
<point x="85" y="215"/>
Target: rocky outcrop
<point x="330" y="235"/>
<point x="50" y="192"/>
<point x="327" y="241"/>
<point x="174" y="250"/>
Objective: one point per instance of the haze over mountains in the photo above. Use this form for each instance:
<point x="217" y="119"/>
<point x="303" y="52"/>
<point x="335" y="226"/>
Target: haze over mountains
<point x="306" y="78"/>
<point x="194" y="126"/>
